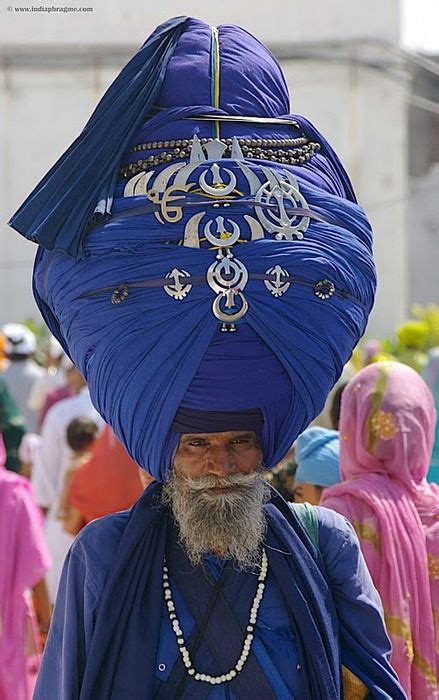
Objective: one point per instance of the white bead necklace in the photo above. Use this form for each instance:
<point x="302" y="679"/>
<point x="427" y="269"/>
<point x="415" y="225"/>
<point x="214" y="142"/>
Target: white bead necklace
<point x="214" y="680"/>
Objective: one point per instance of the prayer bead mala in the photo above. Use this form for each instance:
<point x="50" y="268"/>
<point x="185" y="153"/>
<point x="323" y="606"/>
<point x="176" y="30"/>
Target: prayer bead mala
<point x="223" y="678"/>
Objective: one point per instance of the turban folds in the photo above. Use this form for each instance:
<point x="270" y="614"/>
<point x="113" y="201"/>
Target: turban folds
<point x="229" y="268"/>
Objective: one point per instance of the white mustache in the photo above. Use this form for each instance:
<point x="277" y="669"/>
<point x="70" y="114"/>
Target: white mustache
<point x="203" y="483"/>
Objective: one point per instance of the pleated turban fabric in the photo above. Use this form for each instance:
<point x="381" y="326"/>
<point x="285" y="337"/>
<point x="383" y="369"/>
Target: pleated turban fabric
<point x="202" y="257"/>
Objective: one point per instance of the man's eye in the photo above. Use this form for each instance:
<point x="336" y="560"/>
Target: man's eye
<point x="240" y="441"/>
<point x="196" y="443"/>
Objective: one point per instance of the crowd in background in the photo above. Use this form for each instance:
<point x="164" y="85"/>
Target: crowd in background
<point x="373" y="455"/>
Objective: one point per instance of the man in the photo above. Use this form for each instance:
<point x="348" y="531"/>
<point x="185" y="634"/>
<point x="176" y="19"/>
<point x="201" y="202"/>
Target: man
<point x="22" y="372"/>
<point x="212" y="274"/>
<point x="50" y="466"/>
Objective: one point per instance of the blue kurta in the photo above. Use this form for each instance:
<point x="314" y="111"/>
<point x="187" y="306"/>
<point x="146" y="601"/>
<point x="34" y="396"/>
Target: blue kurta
<point x="90" y="560"/>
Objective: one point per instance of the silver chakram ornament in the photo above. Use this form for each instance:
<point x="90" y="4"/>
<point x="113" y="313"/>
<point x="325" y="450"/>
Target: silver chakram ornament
<point x="278" y="206"/>
<point x="286" y="225"/>
<point x="177" y="290"/>
<point x="228" y="276"/>
<point x="277" y="286"/>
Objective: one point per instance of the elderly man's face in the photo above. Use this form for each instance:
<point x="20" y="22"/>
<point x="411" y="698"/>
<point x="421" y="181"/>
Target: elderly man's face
<point x="217" y="493"/>
<point x="218" y="454"/>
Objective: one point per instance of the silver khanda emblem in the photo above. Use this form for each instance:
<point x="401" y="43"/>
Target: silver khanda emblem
<point x="278" y="203"/>
<point x="228" y="276"/>
<point x="277" y="286"/>
<point x="178" y="289"/>
<point x="278" y="209"/>
<point x="281" y="194"/>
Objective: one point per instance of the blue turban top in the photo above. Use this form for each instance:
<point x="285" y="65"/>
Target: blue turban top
<point x="317" y="456"/>
<point x="201" y="249"/>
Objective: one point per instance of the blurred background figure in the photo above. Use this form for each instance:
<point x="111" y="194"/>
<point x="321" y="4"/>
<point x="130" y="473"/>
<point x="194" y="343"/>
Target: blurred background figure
<point x="281" y="477"/>
<point x="70" y="386"/>
<point x="27" y="453"/>
<point x="81" y="436"/>
<point x="387" y="426"/>
<point x="317" y="457"/>
<point x="12" y="427"/>
<point x="370" y="350"/>
<point x="412" y="337"/>
<point x="105" y="482"/>
<point x="24" y="604"/>
<point x="295" y="476"/>
<point x="22" y="371"/>
<point x="51" y="464"/>
<point x="53" y="376"/>
<point x="334" y="410"/>
<point x="431" y="376"/>
<point x="3" y="359"/>
<point x="326" y="417"/>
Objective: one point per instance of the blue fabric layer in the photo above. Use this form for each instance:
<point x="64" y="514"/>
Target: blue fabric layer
<point x="171" y="70"/>
<point x="56" y="214"/>
<point x="146" y="356"/>
<point x="151" y="354"/>
<point x="189" y="420"/>
<point x="317" y="456"/>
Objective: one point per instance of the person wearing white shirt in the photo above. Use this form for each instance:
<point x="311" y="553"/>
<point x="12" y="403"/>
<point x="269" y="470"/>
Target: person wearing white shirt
<point x="49" y="470"/>
<point x="22" y="372"/>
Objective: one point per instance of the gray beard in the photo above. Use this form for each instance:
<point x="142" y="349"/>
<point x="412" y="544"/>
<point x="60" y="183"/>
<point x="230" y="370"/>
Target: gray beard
<point x="231" y="525"/>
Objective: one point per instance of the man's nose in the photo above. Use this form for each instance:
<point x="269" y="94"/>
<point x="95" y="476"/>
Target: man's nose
<point x="221" y="462"/>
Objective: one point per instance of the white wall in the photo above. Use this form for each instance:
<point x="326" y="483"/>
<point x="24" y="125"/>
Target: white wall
<point x="423" y="237"/>
<point x="114" y="22"/>
<point x="362" y="113"/>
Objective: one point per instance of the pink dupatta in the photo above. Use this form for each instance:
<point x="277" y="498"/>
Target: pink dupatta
<point x="24" y="561"/>
<point x="387" y="427"/>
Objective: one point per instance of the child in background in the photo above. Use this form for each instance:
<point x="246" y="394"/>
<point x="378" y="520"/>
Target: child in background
<point x="317" y="456"/>
<point x="81" y="435"/>
<point x="108" y="482"/>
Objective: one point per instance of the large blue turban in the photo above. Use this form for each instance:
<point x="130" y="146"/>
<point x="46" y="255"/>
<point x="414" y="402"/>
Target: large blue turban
<point x="202" y="256"/>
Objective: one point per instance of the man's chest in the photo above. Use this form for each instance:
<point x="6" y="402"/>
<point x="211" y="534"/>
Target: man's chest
<point x="273" y="645"/>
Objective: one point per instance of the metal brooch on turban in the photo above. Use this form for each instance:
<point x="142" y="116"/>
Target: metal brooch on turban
<point x="202" y="256"/>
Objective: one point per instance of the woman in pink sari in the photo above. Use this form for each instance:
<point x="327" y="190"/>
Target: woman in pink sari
<point x="387" y="427"/>
<point x="24" y="561"/>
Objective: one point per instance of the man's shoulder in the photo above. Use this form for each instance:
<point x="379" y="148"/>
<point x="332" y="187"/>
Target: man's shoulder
<point x="335" y="531"/>
<point x="98" y="541"/>
<point x="330" y="519"/>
